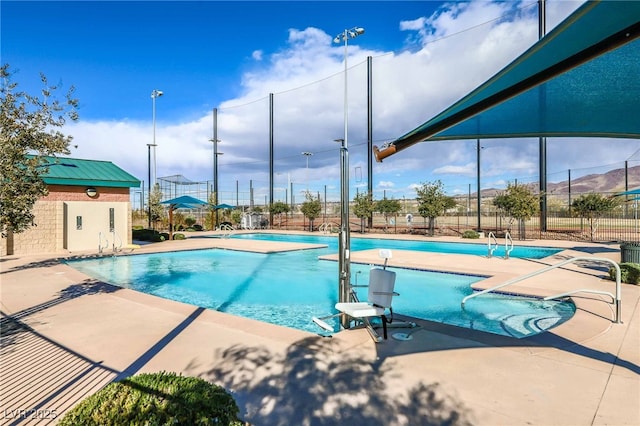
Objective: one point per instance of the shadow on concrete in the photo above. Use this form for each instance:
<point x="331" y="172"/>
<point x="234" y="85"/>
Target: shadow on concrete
<point x="87" y="287"/>
<point x="448" y="337"/>
<point x="596" y="250"/>
<point x="40" y="375"/>
<point x="311" y="384"/>
<point x="50" y="262"/>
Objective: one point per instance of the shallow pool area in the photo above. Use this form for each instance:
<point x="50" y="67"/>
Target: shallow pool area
<point x="289" y="288"/>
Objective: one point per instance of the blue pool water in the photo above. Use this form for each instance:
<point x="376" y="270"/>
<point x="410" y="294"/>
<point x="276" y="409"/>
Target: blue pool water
<point x="290" y="288"/>
<point x="431" y="246"/>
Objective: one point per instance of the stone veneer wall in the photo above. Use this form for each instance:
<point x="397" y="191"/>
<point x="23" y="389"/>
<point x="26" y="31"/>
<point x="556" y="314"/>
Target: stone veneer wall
<point x="47" y="236"/>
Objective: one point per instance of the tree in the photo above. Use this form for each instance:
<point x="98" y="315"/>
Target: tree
<point x="363" y="207"/>
<point x="311" y="208"/>
<point x="157" y="209"/>
<point x="519" y="203"/>
<point x="212" y="202"/>
<point x="593" y="207"/>
<point x="432" y="202"/>
<point x="278" y="208"/>
<point x="28" y="125"/>
<point x="388" y="208"/>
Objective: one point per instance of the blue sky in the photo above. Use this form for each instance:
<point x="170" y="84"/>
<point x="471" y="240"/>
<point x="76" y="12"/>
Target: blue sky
<point x="232" y="55"/>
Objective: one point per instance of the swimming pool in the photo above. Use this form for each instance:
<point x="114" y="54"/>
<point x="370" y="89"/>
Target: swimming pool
<point x="430" y="246"/>
<point x="290" y="288"/>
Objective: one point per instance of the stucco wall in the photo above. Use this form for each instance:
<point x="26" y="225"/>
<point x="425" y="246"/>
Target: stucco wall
<point x="48" y="233"/>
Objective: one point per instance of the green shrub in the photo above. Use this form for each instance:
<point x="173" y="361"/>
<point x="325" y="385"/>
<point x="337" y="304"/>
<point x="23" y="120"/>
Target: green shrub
<point x="179" y="237"/>
<point x="137" y="227"/>
<point x="156" y="399"/>
<point x="629" y="273"/>
<point x="190" y="221"/>
<point x="470" y="234"/>
<point x="164" y="236"/>
<point x="197" y="227"/>
<point x="146" y="235"/>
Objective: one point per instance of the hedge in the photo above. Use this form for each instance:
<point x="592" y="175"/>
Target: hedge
<point x="629" y="273"/>
<point x="156" y="399"/>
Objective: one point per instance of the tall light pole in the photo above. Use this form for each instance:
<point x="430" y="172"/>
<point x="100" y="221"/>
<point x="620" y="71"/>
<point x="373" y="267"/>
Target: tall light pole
<point x="479" y="201"/>
<point x="344" y="237"/>
<point x="307" y="154"/>
<point x="149" y="183"/>
<point x="215" y="176"/>
<point x="154" y="94"/>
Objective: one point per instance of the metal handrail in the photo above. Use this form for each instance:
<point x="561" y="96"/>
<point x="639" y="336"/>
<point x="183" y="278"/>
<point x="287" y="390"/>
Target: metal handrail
<point x="327" y="227"/>
<point x="616" y="300"/>
<point x="100" y="238"/>
<point x="508" y="245"/>
<point x="227" y="228"/>
<point x="115" y="235"/>
<point x="491" y="247"/>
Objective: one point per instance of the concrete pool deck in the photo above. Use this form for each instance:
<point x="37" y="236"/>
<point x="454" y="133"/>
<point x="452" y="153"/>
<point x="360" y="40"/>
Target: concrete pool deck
<point x="65" y="335"/>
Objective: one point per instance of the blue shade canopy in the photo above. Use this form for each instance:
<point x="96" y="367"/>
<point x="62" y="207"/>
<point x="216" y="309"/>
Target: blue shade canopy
<point x="184" y="202"/>
<point x="224" y="206"/>
<point x="582" y="79"/>
<point x="630" y="192"/>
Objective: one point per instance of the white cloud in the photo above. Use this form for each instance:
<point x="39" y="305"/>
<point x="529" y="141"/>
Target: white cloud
<point x="257" y="55"/>
<point x="458" y="48"/>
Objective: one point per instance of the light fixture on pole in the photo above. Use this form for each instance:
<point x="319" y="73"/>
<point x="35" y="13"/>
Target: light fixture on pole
<point x="344" y="275"/>
<point x="154" y="94"/>
<point x="307" y="154"/>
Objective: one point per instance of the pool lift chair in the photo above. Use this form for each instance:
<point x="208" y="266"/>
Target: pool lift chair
<point x="380" y="295"/>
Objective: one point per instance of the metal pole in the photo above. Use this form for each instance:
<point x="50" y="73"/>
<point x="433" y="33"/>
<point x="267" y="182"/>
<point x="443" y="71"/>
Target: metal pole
<point x="542" y="30"/>
<point x="155" y="176"/>
<point x="324" y="219"/>
<point x="344" y="276"/>
<point x="155" y="93"/>
<point x="479" y="227"/>
<point x="626" y="188"/>
<point x="149" y="192"/>
<point x="215" y="163"/>
<point x="307" y="154"/>
<point x="370" y="133"/>
<point x="569" y="188"/>
<point x="271" y="150"/>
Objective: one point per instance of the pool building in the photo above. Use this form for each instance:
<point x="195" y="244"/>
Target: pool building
<point x="88" y="204"/>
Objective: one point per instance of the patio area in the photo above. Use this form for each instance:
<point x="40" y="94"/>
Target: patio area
<point x="66" y="335"/>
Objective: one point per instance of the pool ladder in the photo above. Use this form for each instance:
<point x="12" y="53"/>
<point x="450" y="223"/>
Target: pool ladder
<point x="101" y="239"/>
<point x="492" y="244"/>
<point x="615" y="300"/>
<point x="328" y="228"/>
<point x="228" y="229"/>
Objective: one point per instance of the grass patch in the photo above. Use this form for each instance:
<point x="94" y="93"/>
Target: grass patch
<point x="156" y="399"/>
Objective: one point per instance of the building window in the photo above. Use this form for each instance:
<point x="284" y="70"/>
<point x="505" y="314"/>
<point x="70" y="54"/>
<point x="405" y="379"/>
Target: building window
<point x="79" y="223"/>
<point x="112" y="219"/>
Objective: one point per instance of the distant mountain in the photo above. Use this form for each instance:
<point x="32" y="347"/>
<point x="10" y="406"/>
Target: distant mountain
<point x="609" y="182"/>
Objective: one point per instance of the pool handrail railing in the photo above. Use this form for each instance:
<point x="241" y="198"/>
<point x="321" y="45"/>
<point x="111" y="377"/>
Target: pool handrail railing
<point x="508" y="245"/>
<point x="492" y="244"/>
<point x="615" y="299"/>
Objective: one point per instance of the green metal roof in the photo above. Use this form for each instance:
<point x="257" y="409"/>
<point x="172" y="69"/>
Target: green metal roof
<point x="581" y="79"/>
<point x="77" y="172"/>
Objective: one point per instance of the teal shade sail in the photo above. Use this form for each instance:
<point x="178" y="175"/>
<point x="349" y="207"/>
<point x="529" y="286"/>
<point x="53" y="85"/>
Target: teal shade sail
<point x="580" y="80"/>
<point x="185" y="202"/>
